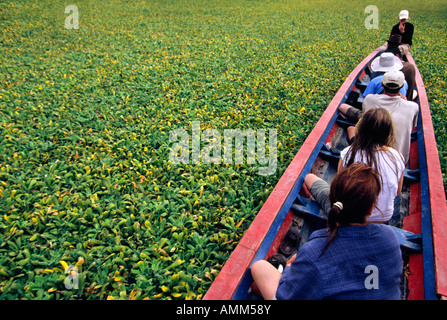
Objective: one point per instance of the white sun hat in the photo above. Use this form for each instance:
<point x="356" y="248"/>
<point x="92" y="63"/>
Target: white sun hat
<point x="404" y="14"/>
<point x="386" y="62"/>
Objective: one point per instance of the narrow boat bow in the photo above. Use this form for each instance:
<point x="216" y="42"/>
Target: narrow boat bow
<point x="422" y="232"/>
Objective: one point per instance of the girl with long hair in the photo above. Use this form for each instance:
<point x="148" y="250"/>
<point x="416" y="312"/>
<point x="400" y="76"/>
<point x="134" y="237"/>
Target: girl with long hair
<point x="373" y="145"/>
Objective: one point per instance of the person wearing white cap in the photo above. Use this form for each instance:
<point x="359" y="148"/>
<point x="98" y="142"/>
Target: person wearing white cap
<point x="405" y="29"/>
<point x="403" y="112"/>
<point x="387" y="61"/>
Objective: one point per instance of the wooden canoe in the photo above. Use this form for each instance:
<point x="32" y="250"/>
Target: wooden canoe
<point x="422" y="229"/>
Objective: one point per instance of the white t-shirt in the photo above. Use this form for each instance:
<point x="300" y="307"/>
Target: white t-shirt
<point x="404" y="114"/>
<point x="391" y="169"/>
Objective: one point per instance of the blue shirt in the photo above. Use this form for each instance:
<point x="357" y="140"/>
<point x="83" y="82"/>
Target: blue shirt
<point x="375" y="87"/>
<point x="361" y="263"/>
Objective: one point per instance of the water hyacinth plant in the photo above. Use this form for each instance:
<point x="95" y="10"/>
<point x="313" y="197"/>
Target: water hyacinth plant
<point x="91" y="205"/>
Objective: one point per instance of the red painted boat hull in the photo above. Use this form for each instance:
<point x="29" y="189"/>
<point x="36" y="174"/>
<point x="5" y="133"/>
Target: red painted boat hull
<point x="278" y="204"/>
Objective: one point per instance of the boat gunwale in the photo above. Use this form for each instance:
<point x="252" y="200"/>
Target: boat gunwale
<point x="275" y="210"/>
<point x="437" y="206"/>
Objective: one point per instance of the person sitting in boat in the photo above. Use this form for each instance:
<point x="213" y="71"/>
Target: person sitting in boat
<point x="387" y="61"/>
<point x="406" y="30"/>
<point x="403" y="112"/>
<point x="350" y="260"/>
<point x="408" y="69"/>
<point x="373" y="145"/>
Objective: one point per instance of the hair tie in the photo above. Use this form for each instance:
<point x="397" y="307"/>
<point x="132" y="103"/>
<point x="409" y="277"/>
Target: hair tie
<point x="339" y="205"/>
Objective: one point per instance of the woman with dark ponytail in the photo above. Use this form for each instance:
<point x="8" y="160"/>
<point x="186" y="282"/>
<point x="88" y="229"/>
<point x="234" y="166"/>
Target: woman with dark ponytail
<point x="354" y="192"/>
<point x="351" y="259"/>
